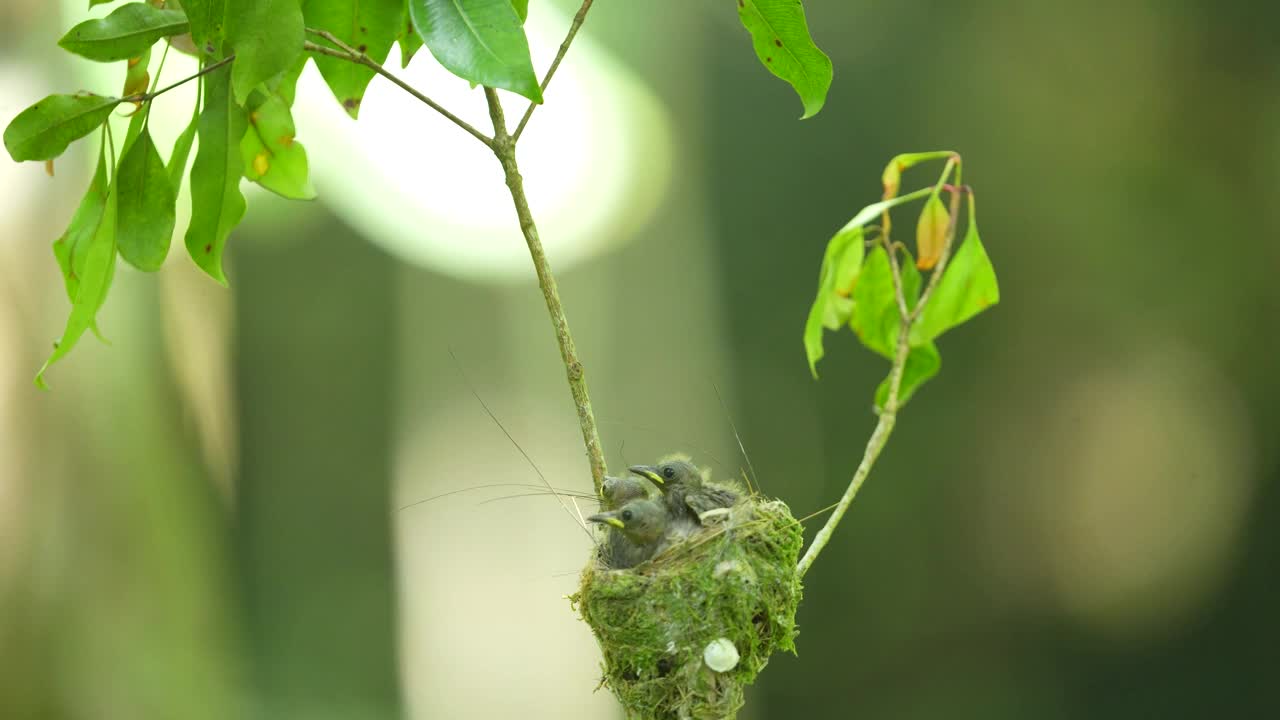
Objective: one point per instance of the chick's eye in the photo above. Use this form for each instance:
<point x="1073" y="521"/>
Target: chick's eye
<point x="668" y="472"/>
<point x="626" y="516"/>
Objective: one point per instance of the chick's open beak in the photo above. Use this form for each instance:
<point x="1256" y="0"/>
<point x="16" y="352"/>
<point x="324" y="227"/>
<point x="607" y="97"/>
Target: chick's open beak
<point x="608" y="519"/>
<point x="648" y="472"/>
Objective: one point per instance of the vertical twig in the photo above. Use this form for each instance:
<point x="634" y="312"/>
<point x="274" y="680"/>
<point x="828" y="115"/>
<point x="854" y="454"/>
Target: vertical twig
<point x="504" y="147"/>
<point x="888" y="413"/>
<point x="555" y="64"/>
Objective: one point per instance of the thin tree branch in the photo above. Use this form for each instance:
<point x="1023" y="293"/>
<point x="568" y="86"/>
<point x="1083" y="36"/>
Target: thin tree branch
<point x="148" y="96"/>
<point x="564" y="48"/>
<point x="350" y="54"/>
<point x="504" y="147"/>
<point x="889" y="413"/>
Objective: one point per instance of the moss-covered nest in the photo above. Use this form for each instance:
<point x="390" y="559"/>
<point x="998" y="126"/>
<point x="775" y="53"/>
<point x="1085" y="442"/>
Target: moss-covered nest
<point x="662" y="625"/>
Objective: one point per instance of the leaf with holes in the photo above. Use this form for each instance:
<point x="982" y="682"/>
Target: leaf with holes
<point x="481" y="41"/>
<point x="266" y="37"/>
<point x="783" y="44"/>
<point x="126" y="33"/>
<point x="44" y="130"/>
<point x="216" y="202"/>
<point x="146" y="212"/>
<point x="370" y="26"/>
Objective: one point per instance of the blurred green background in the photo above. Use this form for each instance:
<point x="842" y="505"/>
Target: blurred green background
<point x="1075" y="519"/>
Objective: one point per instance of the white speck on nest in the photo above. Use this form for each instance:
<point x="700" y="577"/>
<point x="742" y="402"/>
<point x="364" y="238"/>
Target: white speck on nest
<point x="720" y="655"/>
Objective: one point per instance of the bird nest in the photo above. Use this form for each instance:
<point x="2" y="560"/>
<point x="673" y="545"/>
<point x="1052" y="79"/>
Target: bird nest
<point x="683" y="633"/>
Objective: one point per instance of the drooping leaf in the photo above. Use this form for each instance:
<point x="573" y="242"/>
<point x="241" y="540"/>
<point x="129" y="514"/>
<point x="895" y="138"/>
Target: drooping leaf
<point x="876" y="318"/>
<point x="266" y="37"/>
<point x="408" y="39"/>
<point x="136" y="77"/>
<point x="922" y="364"/>
<point x="841" y="264"/>
<point x="126" y="33"/>
<point x="931" y="233"/>
<point x="177" y="166"/>
<point x="370" y="26"/>
<point x="208" y="25"/>
<point x="71" y="249"/>
<point x="481" y="41"/>
<point x="146" y="212"/>
<point x="43" y="131"/>
<point x="967" y="287"/>
<point x="216" y="202"/>
<point x="522" y="8"/>
<point x="271" y="156"/>
<point x="97" y="270"/>
<point x="783" y="44"/>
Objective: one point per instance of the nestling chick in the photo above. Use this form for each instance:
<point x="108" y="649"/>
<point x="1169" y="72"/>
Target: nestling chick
<point x="686" y="491"/>
<point x="644" y="528"/>
<point x="618" y="491"/>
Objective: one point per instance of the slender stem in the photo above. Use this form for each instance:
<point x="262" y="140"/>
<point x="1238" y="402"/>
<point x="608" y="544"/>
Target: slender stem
<point x="889" y="413"/>
<point x="350" y="54"/>
<point x="564" y="48"/>
<point x="505" y="149"/>
<point x="148" y="96"/>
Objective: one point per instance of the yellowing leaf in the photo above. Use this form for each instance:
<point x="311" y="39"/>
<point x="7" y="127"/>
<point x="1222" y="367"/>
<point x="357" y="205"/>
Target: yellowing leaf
<point x="931" y="233"/>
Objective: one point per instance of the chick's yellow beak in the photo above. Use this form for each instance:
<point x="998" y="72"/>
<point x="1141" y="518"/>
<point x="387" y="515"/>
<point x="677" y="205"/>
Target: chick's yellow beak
<point x="608" y="519"/>
<point x="648" y="472"/>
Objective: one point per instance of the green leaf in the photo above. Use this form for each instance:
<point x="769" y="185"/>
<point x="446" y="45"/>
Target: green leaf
<point x="97" y="270"/>
<point x="408" y="39"/>
<point x="271" y="156"/>
<point x="967" y="287"/>
<point x="216" y="202"/>
<point x="831" y="307"/>
<point x="126" y="33"/>
<point x="370" y="26"/>
<point x="182" y="150"/>
<point x="43" y="131"/>
<point x="522" y="8"/>
<point x="876" y="318"/>
<point x="482" y="41"/>
<point x="208" y="25"/>
<point x="266" y="37"/>
<point x="783" y="44"/>
<point x="922" y="364"/>
<point x="136" y="76"/>
<point x="146" y="213"/>
<point x="71" y="248"/>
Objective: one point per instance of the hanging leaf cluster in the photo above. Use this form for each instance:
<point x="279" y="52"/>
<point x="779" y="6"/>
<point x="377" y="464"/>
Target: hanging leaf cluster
<point x="251" y="53"/>
<point x="876" y="294"/>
